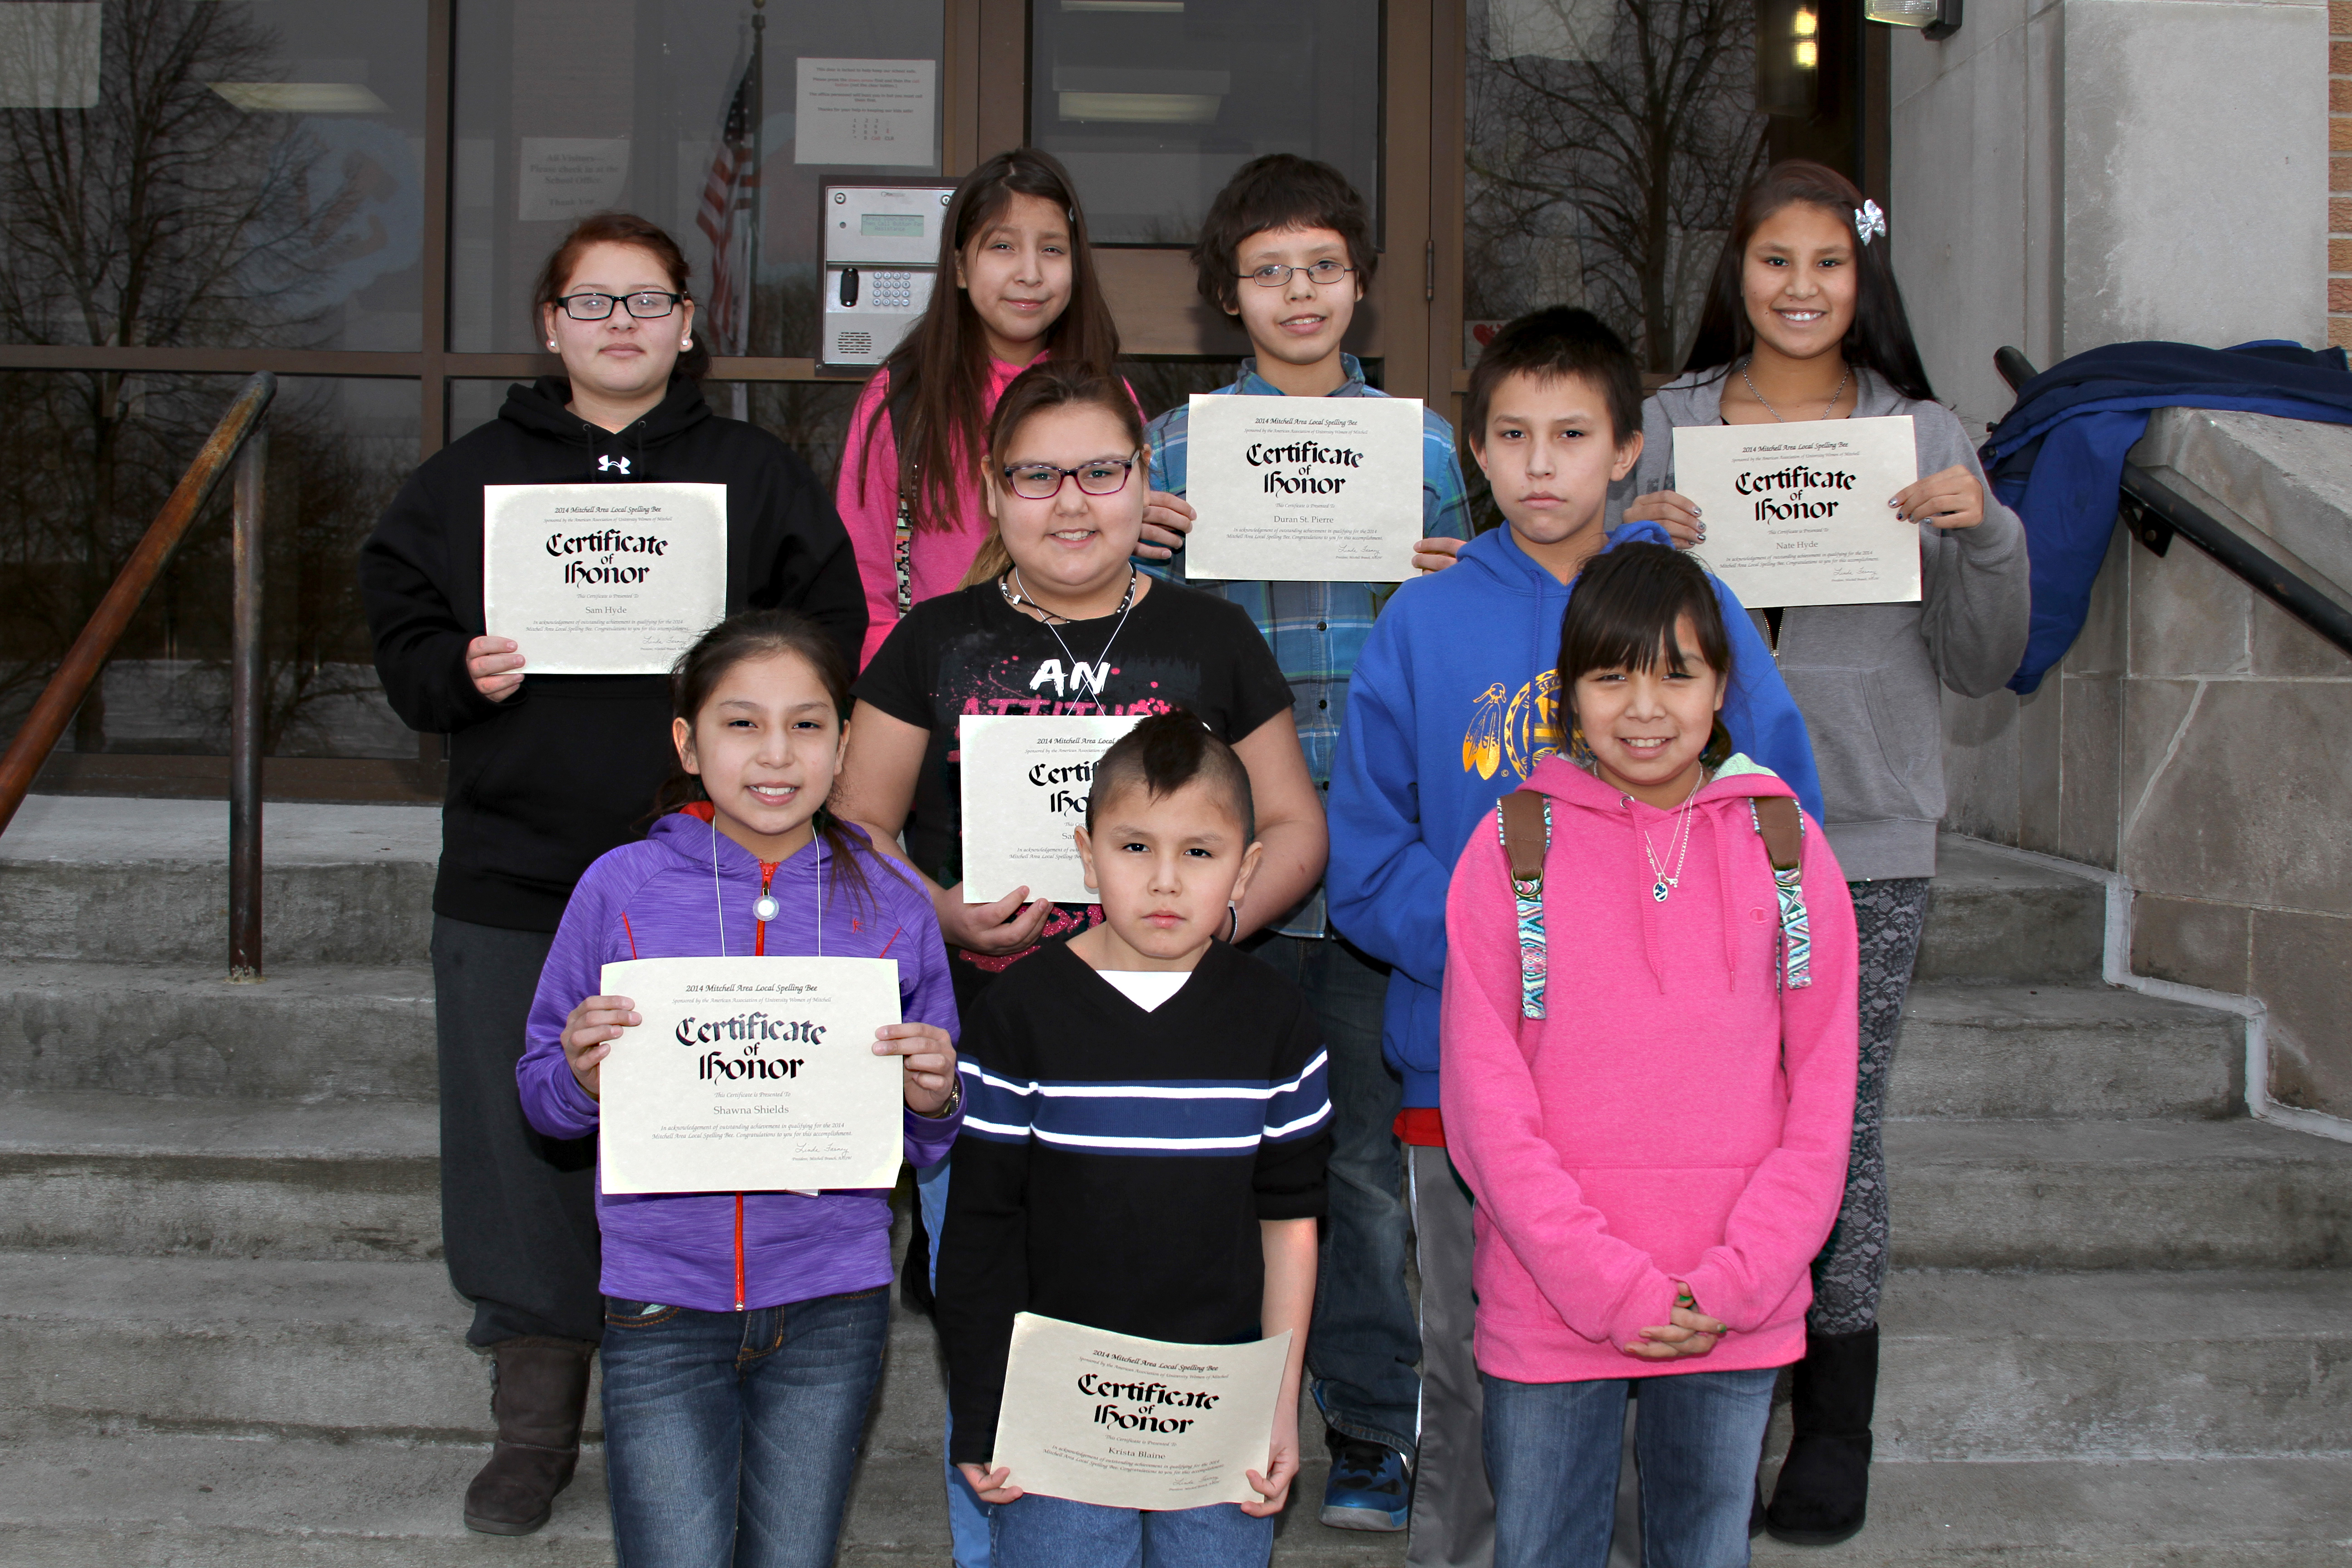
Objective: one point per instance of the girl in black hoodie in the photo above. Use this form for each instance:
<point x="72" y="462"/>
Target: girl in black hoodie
<point x="549" y="772"/>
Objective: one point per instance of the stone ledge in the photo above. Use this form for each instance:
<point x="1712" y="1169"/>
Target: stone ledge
<point x="2287" y="480"/>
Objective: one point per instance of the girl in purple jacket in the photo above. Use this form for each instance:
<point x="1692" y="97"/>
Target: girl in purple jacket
<point x="743" y="1331"/>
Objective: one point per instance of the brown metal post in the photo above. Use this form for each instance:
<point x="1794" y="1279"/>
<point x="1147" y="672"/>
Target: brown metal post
<point x="246" y="670"/>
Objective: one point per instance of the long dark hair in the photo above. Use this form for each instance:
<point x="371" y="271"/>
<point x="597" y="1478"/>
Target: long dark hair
<point x="757" y="634"/>
<point x="620" y="228"/>
<point x="938" y="369"/>
<point x="1880" y="338"/>
<point x="1048" y="384"/>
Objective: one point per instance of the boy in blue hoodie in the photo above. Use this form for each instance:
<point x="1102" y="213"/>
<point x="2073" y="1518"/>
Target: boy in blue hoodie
<point x="1452" y="704"/>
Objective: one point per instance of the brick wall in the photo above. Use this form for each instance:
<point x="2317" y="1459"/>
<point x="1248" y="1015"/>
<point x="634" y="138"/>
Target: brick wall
<point x="2339" y="163"/>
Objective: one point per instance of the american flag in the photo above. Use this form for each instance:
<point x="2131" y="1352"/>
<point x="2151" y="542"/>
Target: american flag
<point x="726" y="216"/>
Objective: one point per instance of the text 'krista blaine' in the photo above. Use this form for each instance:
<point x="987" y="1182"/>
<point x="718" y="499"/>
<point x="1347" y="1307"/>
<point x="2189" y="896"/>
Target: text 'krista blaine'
<point x="1791" y="503"/>
<point x="608" y="545"/>
<point x="1305" y="457"/>
<point x="1151" y="1397"/>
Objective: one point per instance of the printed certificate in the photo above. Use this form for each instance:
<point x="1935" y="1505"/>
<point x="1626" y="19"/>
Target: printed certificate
<point x="1025" y="781"/>
<point x="1303" y="488"/>
<point x="602" y="579"/>
<point x="1797" y="514"/>
<point x="752" y="1074"/>
<point x="1121" y="1422"/>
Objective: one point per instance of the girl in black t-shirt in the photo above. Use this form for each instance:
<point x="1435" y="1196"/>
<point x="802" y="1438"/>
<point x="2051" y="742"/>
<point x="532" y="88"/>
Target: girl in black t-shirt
<point x="1055" y="620"/>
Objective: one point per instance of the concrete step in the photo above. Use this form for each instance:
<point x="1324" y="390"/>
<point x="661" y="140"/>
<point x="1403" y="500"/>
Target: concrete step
<point x="146" y="881"/>
<point x="2096" y="1051"/>
<point x="309" y="1032"/>
<point x="2154" y="1365"/>
<point x="2117" y="1195"/>
<point x="1997" y="917"/>
<point x="2206" y="1513"/>
<point x="178" y="1500"/>
<point x="239" y="1178"/>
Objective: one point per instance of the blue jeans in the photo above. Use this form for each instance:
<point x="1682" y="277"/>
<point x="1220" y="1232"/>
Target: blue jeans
<point x="967" y="1515"/>
<point x="729" y="1438"/>
<point x="1363" y="1344"/>
<point x="1553" y="1451"/>
<point x="1051" y="1532"/>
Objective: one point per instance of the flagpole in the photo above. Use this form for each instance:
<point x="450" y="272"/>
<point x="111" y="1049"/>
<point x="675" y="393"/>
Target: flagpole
<point x="759" y="127"/>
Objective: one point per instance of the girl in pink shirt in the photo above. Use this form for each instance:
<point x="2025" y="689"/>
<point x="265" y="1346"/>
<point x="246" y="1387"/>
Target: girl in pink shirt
<point x="1648" y="1086"/>
<point x="1013" y="246"/>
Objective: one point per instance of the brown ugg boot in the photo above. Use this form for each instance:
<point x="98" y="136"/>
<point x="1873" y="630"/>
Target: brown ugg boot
<point x="539" y="1388"/>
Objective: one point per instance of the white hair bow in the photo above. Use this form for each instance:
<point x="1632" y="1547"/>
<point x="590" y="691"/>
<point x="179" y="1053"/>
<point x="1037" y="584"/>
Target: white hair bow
<point x="1869" y="220"/>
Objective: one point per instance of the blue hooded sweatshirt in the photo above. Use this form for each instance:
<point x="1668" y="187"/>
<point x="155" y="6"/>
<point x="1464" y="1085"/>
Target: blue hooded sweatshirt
<point x="1453" y="704"/>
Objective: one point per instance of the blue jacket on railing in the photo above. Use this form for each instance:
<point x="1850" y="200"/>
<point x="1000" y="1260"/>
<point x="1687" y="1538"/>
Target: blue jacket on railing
<point x="2057" y="459"/>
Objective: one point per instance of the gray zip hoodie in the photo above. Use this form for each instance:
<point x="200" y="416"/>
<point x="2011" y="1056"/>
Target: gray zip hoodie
<point x="1865" y="676"/>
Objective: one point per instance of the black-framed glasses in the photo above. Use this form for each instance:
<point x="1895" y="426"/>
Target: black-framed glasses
<point x="1274" y="275"/>
<point x="646" y="305"/>
<point x="1043" y="481"/>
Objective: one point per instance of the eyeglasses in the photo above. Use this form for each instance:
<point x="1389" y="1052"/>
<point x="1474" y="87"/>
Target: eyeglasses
<point x="1274" y="275"/>
<point x="646" y="305"/>
<point x="1043" y="481"/>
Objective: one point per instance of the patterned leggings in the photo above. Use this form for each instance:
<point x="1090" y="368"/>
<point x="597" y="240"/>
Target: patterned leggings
<point x="1851" y="1268"/>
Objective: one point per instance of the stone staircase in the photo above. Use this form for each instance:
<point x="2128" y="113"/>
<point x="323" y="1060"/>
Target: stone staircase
<point x="225" y="1337"/>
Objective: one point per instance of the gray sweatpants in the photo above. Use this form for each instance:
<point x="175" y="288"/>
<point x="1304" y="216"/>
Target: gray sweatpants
<point x="1452" y="1507"/>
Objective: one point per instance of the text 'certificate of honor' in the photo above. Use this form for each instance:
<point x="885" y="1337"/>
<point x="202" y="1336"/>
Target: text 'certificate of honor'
<point x="1303" y="489"/>
<point x="1119" y="1422"/>
<point x="604" y="579"/>
<point x="1025" y="781"/>
<point x="752" y="1074"/>
<point x="1797" y="514"/>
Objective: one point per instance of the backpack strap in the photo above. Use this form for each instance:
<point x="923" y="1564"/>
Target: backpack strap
<point x="902" y="542"/>
<point x="1782" y="828"/>
<point x="1523" y="819"/>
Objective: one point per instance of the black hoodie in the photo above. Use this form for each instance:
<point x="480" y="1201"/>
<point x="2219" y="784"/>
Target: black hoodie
<point x="566" y="767"/>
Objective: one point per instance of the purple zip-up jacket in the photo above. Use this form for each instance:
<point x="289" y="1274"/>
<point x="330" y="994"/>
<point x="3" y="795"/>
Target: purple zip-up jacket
<point x="655" y="898"/>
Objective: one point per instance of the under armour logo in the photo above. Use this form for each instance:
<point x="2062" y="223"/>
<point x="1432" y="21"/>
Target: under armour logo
<point x="606" y="464"/>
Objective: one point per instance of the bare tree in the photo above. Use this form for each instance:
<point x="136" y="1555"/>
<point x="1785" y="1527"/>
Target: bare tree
<point x="1623" y="128"/>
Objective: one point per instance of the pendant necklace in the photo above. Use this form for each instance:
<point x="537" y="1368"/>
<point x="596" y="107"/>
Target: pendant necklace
<point x="1016" y="598"/>
<point x="1679" y="840"/>
<point x="1776" y="413"/>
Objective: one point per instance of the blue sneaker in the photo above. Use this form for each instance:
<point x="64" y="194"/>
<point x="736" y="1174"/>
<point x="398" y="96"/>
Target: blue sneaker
<point x="1370" y="1487"/>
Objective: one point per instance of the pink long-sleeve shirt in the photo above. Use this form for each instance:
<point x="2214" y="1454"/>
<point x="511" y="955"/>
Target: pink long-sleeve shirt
<point x="867" y="499"/>
<point x="1675" y="1114"/>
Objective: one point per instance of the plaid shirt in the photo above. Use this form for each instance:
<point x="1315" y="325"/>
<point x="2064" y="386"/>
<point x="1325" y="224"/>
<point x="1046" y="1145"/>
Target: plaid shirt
<point x="1316" y="629"/>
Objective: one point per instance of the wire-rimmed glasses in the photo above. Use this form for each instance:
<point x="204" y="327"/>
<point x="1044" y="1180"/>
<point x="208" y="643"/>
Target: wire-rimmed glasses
<point x="1274" y="275"/>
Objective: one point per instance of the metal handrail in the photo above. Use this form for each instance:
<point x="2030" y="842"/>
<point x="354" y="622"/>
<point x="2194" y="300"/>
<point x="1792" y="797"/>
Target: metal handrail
<point x="2154" y="512"/>
<point x="241" y="437"/>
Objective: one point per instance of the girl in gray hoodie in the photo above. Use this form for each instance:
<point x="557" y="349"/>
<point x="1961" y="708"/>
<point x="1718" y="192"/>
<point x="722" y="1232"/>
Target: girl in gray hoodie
<point x="1803" y="322"/>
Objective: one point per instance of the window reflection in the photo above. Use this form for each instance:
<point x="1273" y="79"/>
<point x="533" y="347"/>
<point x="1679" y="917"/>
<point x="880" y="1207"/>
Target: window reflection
<point x="1608" y="141"/>
<point x="212" y="173"/>
<point x="1154" y="103"/>
<point x="567" y="107"/>
<point x="98" y="452"/>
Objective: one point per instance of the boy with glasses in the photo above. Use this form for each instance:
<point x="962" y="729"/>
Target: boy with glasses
<point x="1286" y="249"/>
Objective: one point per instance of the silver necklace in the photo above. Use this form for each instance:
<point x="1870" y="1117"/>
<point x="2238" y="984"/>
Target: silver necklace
<point x="1680" y="840"/>
<point x="1776" y="413"/>
<point x="1124" y="606"/>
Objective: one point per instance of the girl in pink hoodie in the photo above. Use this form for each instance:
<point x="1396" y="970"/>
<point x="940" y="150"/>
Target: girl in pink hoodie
<point x="1649" y="1088"/>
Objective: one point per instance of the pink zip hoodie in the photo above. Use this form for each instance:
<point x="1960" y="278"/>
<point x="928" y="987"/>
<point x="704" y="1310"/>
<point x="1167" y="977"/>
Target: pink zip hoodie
<point x="1675" y="1114"/>
<point x="867" y="499"/>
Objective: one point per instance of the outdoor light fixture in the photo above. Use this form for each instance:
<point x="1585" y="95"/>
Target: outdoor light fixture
<point x="1789" y="57"/>
<point x="1806" y="28"/>
<point x="1935" y="18"/>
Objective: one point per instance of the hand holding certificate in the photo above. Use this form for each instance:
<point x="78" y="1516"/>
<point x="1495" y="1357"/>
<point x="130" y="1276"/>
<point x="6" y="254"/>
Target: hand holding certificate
<point x="1797" y="514"/>
<point x="752" y="1074"/>
<point x="1121" y="1422"/>
<point x="615" y="579"/>
<point x="1025" y="781"/>
<point x="1303" y="488"/>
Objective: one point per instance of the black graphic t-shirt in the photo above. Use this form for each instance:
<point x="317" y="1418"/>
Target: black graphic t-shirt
<point x="970" y="652"/>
